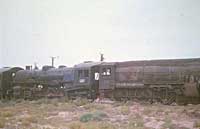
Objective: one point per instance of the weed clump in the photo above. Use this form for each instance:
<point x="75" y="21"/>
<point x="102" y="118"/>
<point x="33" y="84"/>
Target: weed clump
<point x="96" y="116"/>
<point x="86" y="117"/>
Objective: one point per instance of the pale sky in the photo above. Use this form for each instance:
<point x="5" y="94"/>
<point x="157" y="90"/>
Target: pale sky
<point x="78" y="30"/>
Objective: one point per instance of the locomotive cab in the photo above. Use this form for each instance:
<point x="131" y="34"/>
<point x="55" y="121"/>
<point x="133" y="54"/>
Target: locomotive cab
<point x="86" y="82"/>
<point x="107" y="79"/>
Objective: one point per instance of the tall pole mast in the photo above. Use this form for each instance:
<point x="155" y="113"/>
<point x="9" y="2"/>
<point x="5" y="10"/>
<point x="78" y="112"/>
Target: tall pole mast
<point x="101" y="57"/>
<point x="52" y="60"/>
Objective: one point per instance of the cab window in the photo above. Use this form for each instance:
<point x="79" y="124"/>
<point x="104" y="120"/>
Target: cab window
<point x="106" y="71"/>
<point x="83" y="73"/>
<point x="80" y="73"/>
<point x="86" y="73"/>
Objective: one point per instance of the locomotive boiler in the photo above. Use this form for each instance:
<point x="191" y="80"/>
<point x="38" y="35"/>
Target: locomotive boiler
<point x="33" y="84"/>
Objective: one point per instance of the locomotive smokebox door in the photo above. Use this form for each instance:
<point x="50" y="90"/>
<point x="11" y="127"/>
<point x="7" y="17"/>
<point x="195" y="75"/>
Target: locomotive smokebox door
<point x="107" y="79"/>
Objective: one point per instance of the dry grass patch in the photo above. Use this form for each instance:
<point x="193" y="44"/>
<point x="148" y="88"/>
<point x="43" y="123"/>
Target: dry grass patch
<point x="147" y="111"/>
<point x="2" y="122"/>
<point x="136" y="122"/>
<point x="7" y="114"/>
<point x="27" y="121"/>
<point x="81" y="101"/>
<point x="91" y="125"/>
<point x="55" y="121"/>
<point x="66" y="107"/>
<point x="168" y="123"/>
<point x="197" y="124"/>
<point x="125" y="110"/>
<point x="94" y="106"/>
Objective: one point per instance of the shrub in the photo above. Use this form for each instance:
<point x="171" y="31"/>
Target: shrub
<point x="86" y="117"/>
<point x="96" y="116"/>
<point x="125" y="110"/>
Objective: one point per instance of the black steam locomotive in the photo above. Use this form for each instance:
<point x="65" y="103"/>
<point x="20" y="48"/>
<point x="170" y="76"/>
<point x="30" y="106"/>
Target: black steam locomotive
<point x="166" y="81"/>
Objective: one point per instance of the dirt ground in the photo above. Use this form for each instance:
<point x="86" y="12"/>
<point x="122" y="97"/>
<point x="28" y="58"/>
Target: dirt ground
<point x="105" y="114"/>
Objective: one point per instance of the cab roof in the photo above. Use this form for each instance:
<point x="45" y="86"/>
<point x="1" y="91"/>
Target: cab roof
<point x="87" y="64"/>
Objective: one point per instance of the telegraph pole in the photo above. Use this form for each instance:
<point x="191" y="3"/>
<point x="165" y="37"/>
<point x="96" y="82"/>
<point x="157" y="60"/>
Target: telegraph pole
<point x="101" y="57"/>
<point x="35" y="66"/>
<point x="52" y="60"/>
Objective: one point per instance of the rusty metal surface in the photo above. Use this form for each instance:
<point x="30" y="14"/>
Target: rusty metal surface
<point x="155" y="74"/>
<point x="159" y="74"/>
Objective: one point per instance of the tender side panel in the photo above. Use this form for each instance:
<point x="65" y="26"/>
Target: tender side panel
<point x="163" y="75"/>
<point x="150" y="74"/>
<point x="129" y="74"/>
